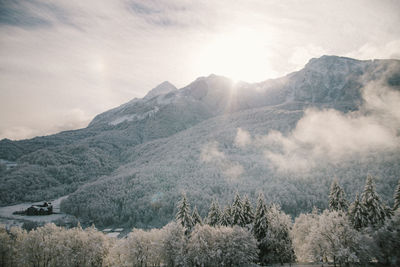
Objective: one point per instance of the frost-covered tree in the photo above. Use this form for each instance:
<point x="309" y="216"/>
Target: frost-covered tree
<point x="226" y="217"/>
<point x="17" y="254"/>
<point x="260" y="219"/>
<point x="221" y="246"/>
<point x="397" y="197"/>
<point x="387" y="241"/>
<point x="375" y="211"/>
<point x="97" y="246"/>
<point x="248" y="214"/>
<point x="43" y="246"/>
<point x="236" y="246"/>
<point x="18" y="237"/>
<point x="214" y="214"/>
<point x="300" y="232"/>
<point x="196" y="217"/>
<point x="183" y="215"/>
<point x="357" y="214"/>
<point x="237" y="211"/>
<point x="278" y="242"/>
<point x="6" y="247"/>
<point x="174" y="245"/>
<point x="201" y="246"/>
<point x="140" y="248"/>
<point x="260" y="227"/>
<point x="333" y="238"/>
<point x="337" y="197"/>
<point x="55" y="246"/>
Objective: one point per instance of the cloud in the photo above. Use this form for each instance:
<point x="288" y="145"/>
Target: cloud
<point x="233" y="171"/>
<point x="212" y="155"/>
<point x="62" y="121"/>
<point x="243" y="138"/>
<point x="32" y="14"/>
<point x="387" y="50"/>
<point x="330" y="136"/>
<point x="85" y="55"/>
<point x="167" y="13"/>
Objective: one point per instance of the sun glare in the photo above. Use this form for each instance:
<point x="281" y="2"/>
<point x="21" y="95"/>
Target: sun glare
<point x="98" y="65"/>
<point x="240" y="55"/>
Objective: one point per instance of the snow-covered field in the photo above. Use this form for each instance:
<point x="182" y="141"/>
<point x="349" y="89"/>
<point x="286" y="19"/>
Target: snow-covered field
<point x="7" y="217"/>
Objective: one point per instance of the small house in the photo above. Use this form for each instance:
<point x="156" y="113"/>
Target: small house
<point x="45" y="209"/>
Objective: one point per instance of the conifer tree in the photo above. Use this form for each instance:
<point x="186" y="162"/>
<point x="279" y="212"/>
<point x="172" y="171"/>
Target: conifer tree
<point x="196" y="217"/>
<point x="337" y="198"/>
<point x="183" y="215"/>
<point x="248" y="214"/>
<point x="397" y="197"/>
<point x="226" y="217"/>
<point x="214" y="214"/>
<point x="375" y="211"/>
<point x="260" y="218"/>
<point x="357" y="214"/>
<point x="237" y="211"/>
<point x="278" y="245"/>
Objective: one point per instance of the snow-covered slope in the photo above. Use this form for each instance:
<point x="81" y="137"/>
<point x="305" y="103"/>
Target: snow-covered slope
<point x="157" y="146"/>
<point x="163" y="88"/>
<point x="206" y="161"/>
<point x="330" y="80"/>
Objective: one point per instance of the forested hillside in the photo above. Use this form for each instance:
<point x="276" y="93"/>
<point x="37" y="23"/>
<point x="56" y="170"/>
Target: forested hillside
<point x="237" y="234"/>
<point x="215" y="137"/>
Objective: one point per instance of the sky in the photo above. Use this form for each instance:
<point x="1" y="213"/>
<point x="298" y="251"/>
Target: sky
<point x="63" y="62"/>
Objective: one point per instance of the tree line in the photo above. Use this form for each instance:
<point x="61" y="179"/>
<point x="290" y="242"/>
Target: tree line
<point x="235" y="235"/>
<point x="364" y="231"/>
<point x="267" y="224"/>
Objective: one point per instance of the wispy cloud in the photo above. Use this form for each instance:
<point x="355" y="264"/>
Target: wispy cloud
<point x="243" y="138"/>
<point x="32" y="13"/>
<point x="386" y="50"/>
<point x="210" y="154"/>
<point x="330" y="136"/>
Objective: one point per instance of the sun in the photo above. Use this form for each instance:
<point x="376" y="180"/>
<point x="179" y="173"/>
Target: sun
<point x="241" y="55"/>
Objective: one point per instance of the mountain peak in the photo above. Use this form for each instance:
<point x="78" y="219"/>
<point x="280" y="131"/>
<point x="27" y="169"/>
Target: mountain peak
<point x="329" y="64"/>
<point x="328" y="59"/>
<point x="162" y="88"/>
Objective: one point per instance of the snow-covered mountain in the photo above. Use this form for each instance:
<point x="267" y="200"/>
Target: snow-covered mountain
<point x="329" y="80"/>
<point x="209" y="139"/>
<point x="161" y="89"/>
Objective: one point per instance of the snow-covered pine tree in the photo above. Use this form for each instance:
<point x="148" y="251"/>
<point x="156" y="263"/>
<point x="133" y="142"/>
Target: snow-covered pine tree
<point x="278" y="243"/>
<point x="337" y="197"/>
<point x="260" y="218"/>
<point x="196" y="217"/>
<point x="260" y="227"/>
<point x="237" y="211"/>
<point x="248" y="213"/>
<point x="183" y="215"/>
<point x="357" y="214"/>
<point x="226" y="217"/>
<point x="214" y="214"/>
<point x="376" y="211"/>
<point x="397" y="197"/>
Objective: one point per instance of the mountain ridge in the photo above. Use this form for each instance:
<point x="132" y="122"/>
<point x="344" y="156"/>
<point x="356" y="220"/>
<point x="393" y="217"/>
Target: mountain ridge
<point x="127" y="139"/>
<point x="199" y="88"/>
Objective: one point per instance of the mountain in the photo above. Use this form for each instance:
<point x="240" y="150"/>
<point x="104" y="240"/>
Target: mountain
<point x="209" y="139"/>
<point x="163" y="88"/>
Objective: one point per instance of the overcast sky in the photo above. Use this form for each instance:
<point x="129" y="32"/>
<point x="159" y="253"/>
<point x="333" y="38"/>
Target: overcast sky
<point x="63" y="62"/>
